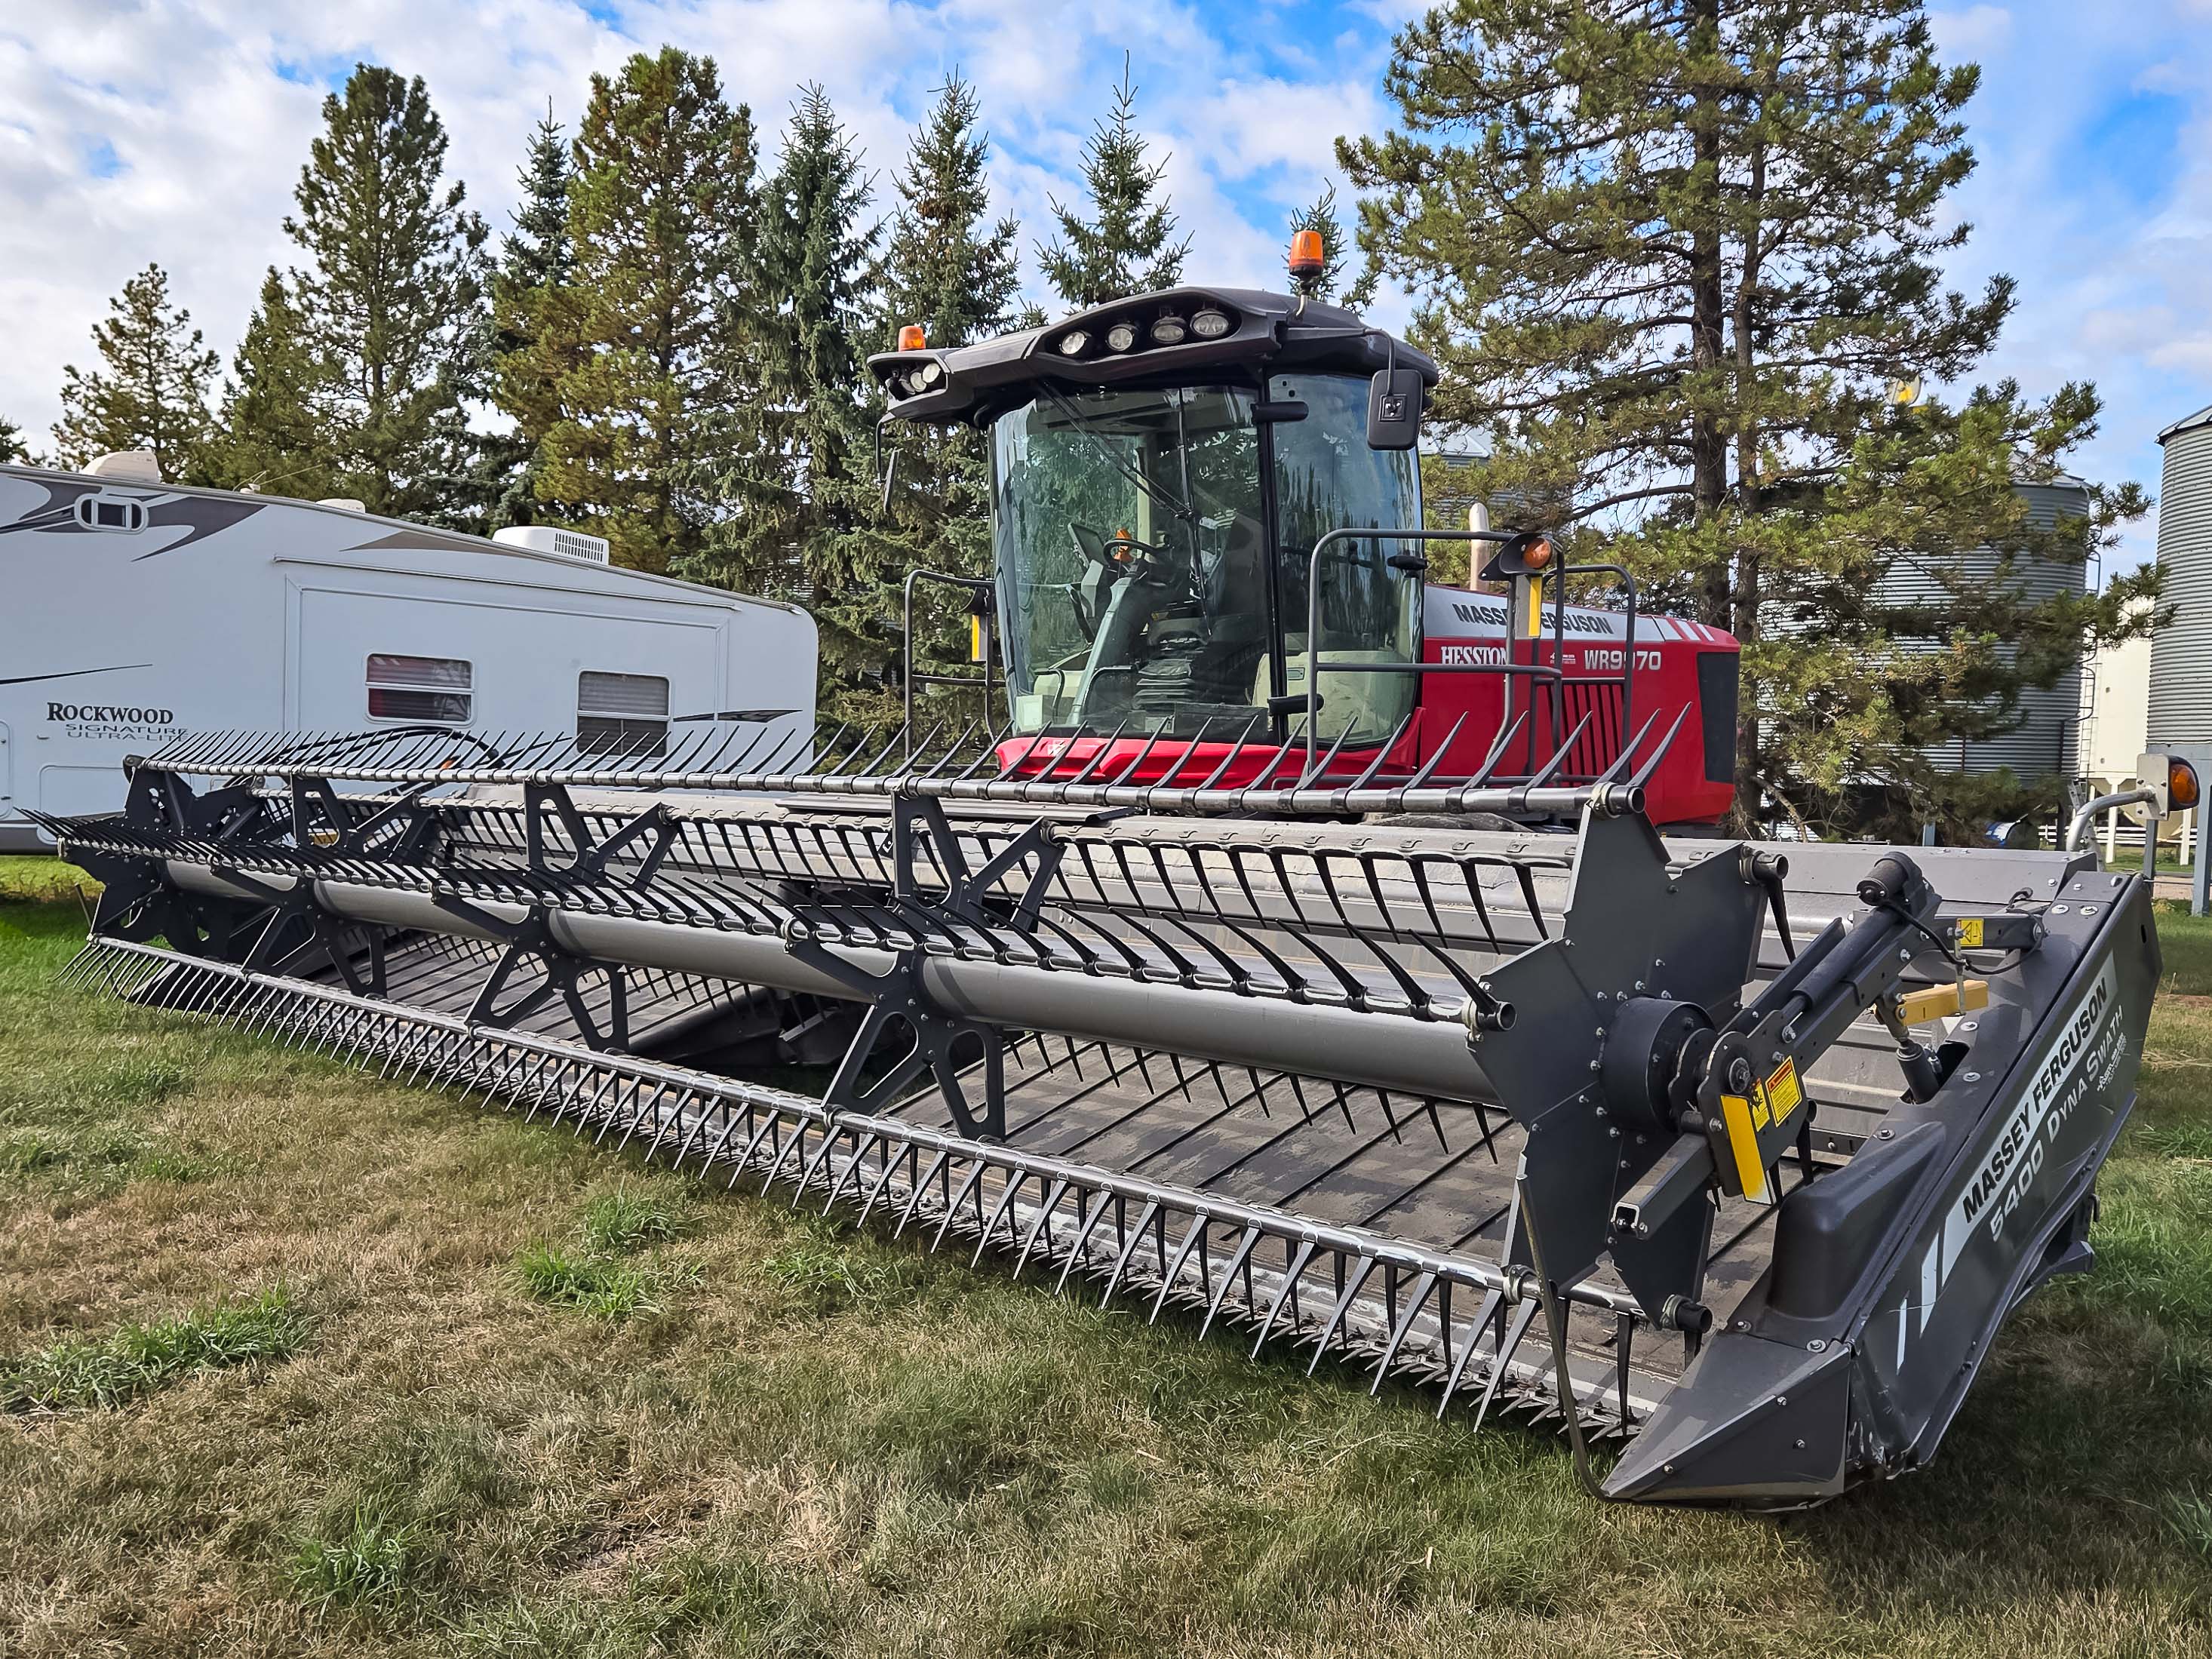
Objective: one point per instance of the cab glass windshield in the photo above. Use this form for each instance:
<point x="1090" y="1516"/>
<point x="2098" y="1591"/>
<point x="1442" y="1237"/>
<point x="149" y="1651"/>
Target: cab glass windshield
<point x="1130" y="545"/>
<point x="1133" y="554"/>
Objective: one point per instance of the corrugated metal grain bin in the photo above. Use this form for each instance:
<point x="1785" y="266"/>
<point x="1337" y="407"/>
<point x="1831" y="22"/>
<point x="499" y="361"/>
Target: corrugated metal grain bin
<point x="2181" y="654"/>
<point x="2043" y="740"/>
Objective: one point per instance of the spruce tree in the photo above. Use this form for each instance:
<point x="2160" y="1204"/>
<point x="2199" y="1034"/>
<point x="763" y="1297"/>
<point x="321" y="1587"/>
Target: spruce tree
<point x="1123" y="246"/>
<point x="537" y="261"/>
<point x="11" y="441"/>
<point x="799" y="483"/>
<point x="151" y="392"/>
<point x="949" y="266"/>
<point x="646" y="380"/>
<point x="946" y="263"/>
<point x="1673" y="255"/>
<point x="390" y="304"/>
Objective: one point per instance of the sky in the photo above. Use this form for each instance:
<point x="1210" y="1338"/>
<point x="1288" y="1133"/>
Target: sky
<point x="173" y="131"/>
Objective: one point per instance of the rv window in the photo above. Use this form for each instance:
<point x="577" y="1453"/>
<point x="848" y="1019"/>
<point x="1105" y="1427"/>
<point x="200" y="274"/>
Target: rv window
<point x="419" y="688"/>
<point x="103" y="513"/>
<point x="622" y="713"/>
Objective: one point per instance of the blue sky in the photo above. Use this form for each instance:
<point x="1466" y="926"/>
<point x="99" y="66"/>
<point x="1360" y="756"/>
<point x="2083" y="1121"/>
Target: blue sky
<point x="173" y="130"/>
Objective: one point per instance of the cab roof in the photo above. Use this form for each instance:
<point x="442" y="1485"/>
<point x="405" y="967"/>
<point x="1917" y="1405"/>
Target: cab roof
<point x="1265" y="332"/>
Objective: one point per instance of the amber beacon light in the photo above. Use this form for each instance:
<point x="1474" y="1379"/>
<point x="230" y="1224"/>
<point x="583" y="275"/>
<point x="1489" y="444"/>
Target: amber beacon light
<point x="912" y="337"/>
<point x="1309" y="258"/>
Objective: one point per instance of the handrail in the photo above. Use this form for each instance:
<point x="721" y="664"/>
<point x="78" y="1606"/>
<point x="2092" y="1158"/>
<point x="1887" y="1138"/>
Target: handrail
<point x="2079" y="825"/>
<point x="974" y="584"/>
<point x="1555" y="673"/>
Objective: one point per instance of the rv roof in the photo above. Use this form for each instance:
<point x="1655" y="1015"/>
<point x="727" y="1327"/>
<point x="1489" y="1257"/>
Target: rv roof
<point x="398" y="534"/>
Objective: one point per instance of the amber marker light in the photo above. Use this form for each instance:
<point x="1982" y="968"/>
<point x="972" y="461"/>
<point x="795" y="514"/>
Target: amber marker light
<point x="2181" y="789"/>
<point x="1538" y="553"/>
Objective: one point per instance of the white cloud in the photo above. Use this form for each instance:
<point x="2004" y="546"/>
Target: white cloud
<point x="208" y="112"/>
<point x="2100" y="207"/>
<point x="1971" y="32"/>
<point x="207" y="135"/>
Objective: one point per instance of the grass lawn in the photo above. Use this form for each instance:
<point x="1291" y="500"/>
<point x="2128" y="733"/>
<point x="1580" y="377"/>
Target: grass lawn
<point x="295" y="1361"/>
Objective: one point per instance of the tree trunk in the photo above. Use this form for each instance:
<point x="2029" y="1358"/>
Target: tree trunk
<point x="1708" y="304"/>
<point x="1743" y="621"/>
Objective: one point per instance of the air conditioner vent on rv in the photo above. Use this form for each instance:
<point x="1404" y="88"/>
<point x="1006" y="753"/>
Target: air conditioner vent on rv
<point x="551" y="539"/>
<point x="131" y="466"/>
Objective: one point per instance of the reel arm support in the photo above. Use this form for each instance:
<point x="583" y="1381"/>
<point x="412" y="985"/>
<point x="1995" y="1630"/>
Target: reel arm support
<point x="1736" y="1097"/>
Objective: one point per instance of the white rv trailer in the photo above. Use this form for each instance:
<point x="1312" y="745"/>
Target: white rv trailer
<point x="131" y="611"/>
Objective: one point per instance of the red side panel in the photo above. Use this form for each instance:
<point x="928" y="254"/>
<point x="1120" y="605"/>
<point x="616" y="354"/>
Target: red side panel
<point x="1694" y="781"/>
<point x="1681" y="708"/>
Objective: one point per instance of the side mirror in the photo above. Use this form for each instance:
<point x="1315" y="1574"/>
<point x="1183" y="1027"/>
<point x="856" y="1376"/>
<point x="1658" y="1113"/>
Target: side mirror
<point x="1393" y="408"/>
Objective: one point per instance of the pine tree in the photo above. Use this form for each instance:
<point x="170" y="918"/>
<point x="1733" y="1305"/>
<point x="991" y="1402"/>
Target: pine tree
<point x="1673" y="255"/>
<point x="277" y="409"/>
<point x="1123" y="248"/>
<point x="636" y="347"/>
<point x="152" y="392"/>
<point x="1320" y="216"/>
<point x="537" y="261"/>
<point x="389" y="304"/>
<point x="800" y="483"/>
<point x="11" y="442"/>
<point x="950" y="267"/>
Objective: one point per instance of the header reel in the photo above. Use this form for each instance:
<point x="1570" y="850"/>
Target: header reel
<point x="1391" y="1093"/>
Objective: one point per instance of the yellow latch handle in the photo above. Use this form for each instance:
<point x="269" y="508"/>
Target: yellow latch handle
<point x="1743" y="1147"/>
<point x="1941" y="1001"/>
<point x="1532" y="616"/>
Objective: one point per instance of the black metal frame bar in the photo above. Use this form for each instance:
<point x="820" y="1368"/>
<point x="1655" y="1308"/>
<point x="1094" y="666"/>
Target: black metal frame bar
<point x="908" y="678"/>
<point x="1553" y="675"/>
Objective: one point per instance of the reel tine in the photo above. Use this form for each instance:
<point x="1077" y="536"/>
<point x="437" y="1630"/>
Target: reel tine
<point x="850" y="1172"/>
<point x="1483" y="1316"/>
<point x="1241" y="1254"/>
<point x="1168" y="1278"/>
<point x="1043" y="1217"/>
<point x="1136" y="1236"/>
<point x="1083" y="1238"/>
<point x="1422" y="1286"/>
<point x="1290" y="1283"/>
<point x="882" y="1182"/>
<point x="1358" y="1278"/>
<point x="1524" y="1316"/>
<point x="1007" y="1190"/>
<point x="952" y="1206"/>
<point x="807" y="1176"/>
<point x="920" y="1189"/>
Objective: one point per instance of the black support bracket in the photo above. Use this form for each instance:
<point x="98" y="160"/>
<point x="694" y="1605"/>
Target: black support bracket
<point x="939" y="1040"/>
<point x="591" y="855"/>
<point x="562" y="974"/>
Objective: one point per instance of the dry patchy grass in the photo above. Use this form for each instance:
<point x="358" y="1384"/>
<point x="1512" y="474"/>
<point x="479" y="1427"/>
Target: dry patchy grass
<point x="810" y="1440"/>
